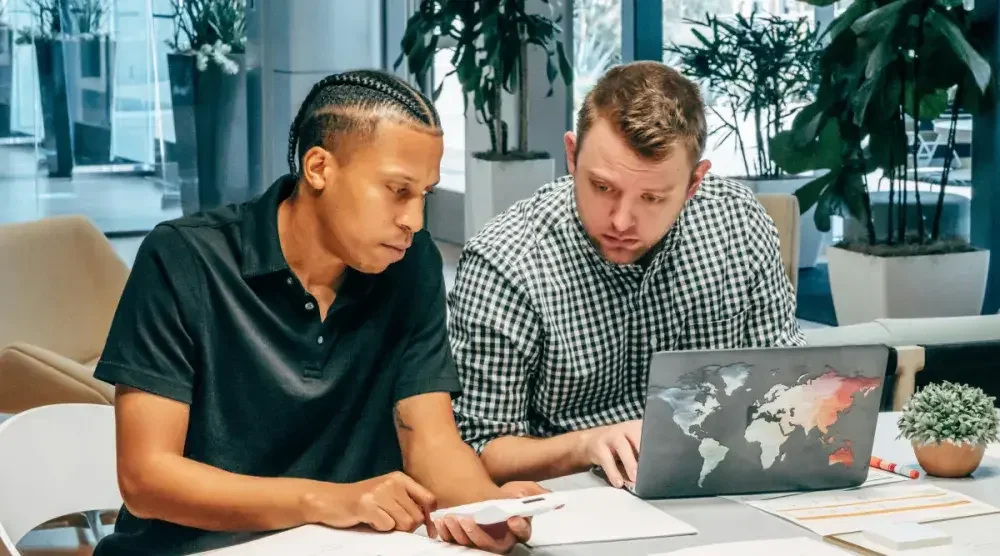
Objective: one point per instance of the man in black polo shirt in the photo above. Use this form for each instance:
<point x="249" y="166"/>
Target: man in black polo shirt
<point x="279" y="362"/>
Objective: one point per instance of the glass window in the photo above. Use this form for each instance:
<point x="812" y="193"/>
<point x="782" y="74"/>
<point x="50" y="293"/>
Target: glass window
<point x="451" y="108"/>
<point x="597" y="43"/>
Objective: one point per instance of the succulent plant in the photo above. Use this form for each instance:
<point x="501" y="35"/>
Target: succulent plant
<point x="949" y="411"/>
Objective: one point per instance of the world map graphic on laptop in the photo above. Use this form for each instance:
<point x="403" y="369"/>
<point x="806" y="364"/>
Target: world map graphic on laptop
<point x="791" y="417"/>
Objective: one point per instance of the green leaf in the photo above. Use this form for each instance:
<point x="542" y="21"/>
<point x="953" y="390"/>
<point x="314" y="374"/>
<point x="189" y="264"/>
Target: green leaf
<point x="883" y="55"/>
<point x="806" y="123"/>
<point x="862" y="98"/>
<point x="809" y="194"/>
<point x="888" y="145"/>
<point x="845" y="20"/>
<point x="565" y="68"/>
<point x="880" y="20"/>
<point x="973" y="61"/>
<point x="850" y="188"/>
<point x="932" y="104"/>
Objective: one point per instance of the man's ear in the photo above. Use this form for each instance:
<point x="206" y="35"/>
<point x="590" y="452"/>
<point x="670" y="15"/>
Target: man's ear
<point x="319" y="168"/>
<point x="569" y="139"/>
<point x="698" y="176"/>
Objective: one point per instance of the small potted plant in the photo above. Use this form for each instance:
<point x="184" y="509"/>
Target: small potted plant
<point x="949" y="426"/>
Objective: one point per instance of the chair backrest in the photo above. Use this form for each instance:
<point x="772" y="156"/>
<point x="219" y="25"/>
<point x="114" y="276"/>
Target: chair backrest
<point x="55" y="460"/>
<point x="784" y="210"/>
<point x="60" y="283"/>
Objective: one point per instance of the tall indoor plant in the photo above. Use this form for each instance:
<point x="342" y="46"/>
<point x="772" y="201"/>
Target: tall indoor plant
<point x="888" y="61"/>
<point x="208" y="93"/>
<point x="758" y="70"/>
<point x="491" y="40"/>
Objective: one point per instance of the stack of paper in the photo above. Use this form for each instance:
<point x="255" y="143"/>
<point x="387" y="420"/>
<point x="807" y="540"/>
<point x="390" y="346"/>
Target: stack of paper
<point x="974" y="536"/>
<point x="315" y="540"/>
<point x="603" y="514"/>
<point x="876" y="477"/>
<point x="847" y="511"/>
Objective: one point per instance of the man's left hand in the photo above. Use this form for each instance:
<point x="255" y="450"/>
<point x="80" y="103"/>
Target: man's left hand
<point x="499" y="538"/>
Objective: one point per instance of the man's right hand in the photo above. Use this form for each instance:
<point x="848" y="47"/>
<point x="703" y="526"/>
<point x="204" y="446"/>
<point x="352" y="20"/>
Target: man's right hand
<point x="615" y="448"/>
<point x="385" y="503"/>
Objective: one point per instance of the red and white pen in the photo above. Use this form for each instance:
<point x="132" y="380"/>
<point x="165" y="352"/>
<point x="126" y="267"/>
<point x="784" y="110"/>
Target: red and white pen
<point x="906" y="471"/>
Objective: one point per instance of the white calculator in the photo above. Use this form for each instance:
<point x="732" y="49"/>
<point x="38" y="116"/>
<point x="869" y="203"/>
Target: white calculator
<point x="499" y="511"/>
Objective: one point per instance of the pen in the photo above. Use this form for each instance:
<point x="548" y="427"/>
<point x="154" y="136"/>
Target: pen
<point x="903" y="470"/>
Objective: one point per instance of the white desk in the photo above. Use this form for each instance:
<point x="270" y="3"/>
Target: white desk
<point x="719" y="520"/>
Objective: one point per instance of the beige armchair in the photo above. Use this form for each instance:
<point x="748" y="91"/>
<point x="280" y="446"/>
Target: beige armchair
<point x="784" y="210"/>
<point x="60" y="282"/>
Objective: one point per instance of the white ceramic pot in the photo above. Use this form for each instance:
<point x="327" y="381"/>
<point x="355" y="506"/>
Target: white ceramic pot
<point x="811" y="240"/>
<point x="866" y="287"/>
<point x="493" y="186"/>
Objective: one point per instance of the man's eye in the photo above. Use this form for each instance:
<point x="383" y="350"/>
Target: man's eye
<point x="602" y="188"/>
<point x="651" y="199"/>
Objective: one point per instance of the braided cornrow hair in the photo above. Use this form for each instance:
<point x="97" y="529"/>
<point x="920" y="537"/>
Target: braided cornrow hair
<point x="361" y="89"/>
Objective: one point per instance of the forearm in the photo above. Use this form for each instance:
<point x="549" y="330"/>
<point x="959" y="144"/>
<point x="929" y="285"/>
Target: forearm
<point x="517" y="458"/>
<point x="452" y="471"/>
<point x="172" y="488"/>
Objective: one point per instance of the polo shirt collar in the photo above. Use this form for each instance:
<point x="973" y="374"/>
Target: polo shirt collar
<point x="259" y="230"/>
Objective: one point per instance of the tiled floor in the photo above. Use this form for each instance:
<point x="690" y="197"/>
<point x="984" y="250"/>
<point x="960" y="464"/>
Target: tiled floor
<point x="115" y="203"/>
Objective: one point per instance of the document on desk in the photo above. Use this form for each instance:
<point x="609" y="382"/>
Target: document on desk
<point x="798" y="546"/>
<point x="848" y="511"/>
<point x="315" y="540"/>
<point x="603" y="514"/>
<point x="876" y="477"/>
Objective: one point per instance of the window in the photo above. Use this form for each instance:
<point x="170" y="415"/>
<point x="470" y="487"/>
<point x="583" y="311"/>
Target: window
<point x="597" y="43"/>
<point x="451" y="108"/>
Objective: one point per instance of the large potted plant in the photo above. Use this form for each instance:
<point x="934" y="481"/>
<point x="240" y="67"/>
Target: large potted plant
<point x="48" y="33"/>
<point x="207" y="69"/>
<point x="492" y="38"/>
<point x="888" y="61"/>
<point x="6" y="71"/>
<point x="949" y="426"/>
<point x="758" y="70"/>
<point x="90" y="62"/>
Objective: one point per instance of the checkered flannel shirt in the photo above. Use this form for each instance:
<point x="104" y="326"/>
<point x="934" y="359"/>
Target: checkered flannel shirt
<point x="549" y="337"/>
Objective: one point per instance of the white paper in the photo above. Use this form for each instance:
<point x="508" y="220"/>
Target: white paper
<point x="603" y="514"/>
<point x="973" y="536"/>
<point x="849" y="511"/>
<point x="315" y="540"/>
<point x="798" y="546"/>
<point x="875" y="477"/>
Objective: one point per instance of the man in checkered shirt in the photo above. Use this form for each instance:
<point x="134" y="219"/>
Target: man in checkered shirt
<point x="559" y="302"/>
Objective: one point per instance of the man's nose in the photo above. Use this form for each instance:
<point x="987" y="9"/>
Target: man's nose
<point x="412" y="217"/>
<point x="621" y="218"/>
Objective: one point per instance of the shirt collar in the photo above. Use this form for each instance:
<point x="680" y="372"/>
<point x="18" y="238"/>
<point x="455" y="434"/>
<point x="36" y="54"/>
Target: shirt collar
<point x="259" y="231"/>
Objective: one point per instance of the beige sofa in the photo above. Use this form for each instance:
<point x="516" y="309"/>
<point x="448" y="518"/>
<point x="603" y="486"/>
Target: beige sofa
<point x="60" y="283"/>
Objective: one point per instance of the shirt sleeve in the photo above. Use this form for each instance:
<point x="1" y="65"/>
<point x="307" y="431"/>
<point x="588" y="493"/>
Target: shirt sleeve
<point x="151" y="343"/>
<point x="771" y="320"/>
<point x="427" y="362"/>
<point x="494" y="336"/>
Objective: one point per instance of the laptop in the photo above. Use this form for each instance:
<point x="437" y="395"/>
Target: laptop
<point x="750" y="421"/>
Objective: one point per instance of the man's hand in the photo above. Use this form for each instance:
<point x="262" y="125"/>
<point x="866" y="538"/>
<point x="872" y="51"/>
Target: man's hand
<point x="615" y="448"/>
<point x="385" y="503"/>
<point x="499" y="538"/>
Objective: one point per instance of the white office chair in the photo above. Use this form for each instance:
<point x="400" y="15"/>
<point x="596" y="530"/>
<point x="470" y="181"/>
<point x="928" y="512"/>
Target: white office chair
<point x="56" y="460"/>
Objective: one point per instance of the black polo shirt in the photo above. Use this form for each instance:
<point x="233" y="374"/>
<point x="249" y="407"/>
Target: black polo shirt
<point x="213" y="317"/>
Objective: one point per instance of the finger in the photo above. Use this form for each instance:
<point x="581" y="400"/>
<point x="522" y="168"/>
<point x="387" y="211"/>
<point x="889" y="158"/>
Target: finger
<point x="402" y="519"/>
<point x="524" y="489"/>
<point x="458" y="534"/>
<point x="607" y="462"/>
<point x="378" y="519"/>
<point x="627" y="457"/>
<point x="484" y="541"/>
<point x="634" y="434"/>
<point x="443" y="532"/>
<point x="520" y="527"/>
<point x="432" y="529"/>
<point x="423" y="497"/>
<point x="416" y="513"/>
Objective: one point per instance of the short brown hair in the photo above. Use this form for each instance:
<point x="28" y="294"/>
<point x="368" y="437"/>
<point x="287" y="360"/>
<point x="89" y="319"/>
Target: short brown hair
<point x="652" y="106"/>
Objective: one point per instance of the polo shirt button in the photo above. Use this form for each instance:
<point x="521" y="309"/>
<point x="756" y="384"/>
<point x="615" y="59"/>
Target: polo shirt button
<point x="310" y="306"/>
<point x="319" y="340"/>
<point x="290" y="281"/>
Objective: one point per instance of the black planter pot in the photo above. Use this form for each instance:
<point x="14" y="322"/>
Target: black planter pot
<point x="58" y="143"/>
<point x="6" y="78"/>
<point x="90" y="80"/>
<point x="210" y="123"/>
